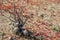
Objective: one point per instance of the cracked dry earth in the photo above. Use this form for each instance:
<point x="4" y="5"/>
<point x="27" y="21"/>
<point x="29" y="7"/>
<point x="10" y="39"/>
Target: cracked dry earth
<point x="44" y="19"/>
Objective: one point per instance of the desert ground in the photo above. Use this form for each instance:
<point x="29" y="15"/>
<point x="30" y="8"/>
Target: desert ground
<point x="43" y="18"/>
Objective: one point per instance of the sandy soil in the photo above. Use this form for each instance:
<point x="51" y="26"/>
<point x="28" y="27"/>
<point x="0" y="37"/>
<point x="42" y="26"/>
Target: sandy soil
<point x="45" y="18"/>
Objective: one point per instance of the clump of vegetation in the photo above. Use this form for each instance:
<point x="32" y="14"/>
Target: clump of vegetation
<point x="54" y="28"/>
